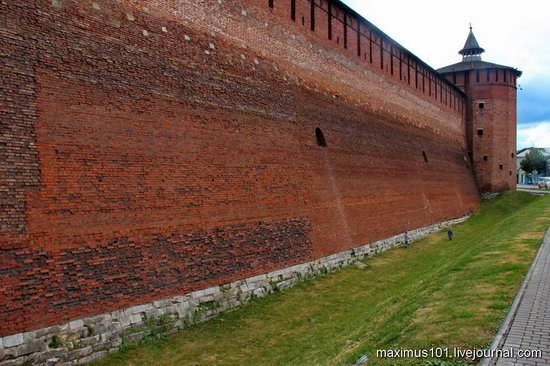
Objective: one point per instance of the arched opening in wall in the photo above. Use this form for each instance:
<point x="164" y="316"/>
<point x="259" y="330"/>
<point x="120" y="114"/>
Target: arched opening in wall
<point x="480" y="132"/>
<point x="270" y="3"/>
<point x="425" y="156"/>
<point x="320" y="137"/>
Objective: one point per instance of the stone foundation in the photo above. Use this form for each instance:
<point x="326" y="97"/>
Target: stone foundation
<point x="88" y="339"/>
<point x="486" y="196"/>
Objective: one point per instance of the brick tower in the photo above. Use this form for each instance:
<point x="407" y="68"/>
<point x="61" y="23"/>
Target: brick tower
<point x="490" y="115"/>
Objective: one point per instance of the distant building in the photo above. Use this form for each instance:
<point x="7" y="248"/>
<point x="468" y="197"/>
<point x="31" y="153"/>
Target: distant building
<point x="522" y="177"/>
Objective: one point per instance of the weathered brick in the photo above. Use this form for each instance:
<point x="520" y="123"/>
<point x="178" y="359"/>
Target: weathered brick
<point x="138" y="168"/>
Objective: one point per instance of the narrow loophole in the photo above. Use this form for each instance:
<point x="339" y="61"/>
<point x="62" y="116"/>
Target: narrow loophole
<point x="320" y="137"/>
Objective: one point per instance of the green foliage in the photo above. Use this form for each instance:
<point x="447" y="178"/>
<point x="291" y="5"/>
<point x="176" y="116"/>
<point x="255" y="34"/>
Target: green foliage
<point x="55" y="342"/>
<point x="534" y="160"/>
<point x="443" y="363"/>
<point x="436" y="293"/>
<point x="152" y="327"/>
<point x="89" y="330"/>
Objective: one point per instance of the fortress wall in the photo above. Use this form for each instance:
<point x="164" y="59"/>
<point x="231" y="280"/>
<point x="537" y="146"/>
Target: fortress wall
<point x="157" y="148"/>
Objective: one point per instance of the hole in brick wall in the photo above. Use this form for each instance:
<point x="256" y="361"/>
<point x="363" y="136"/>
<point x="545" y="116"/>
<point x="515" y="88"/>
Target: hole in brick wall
<point x="510" y="172"/>
<point x="481" y="105"/>
<point x="303" y="20"/>
<point x="320" y="137"/>
<point x="485" y="158"/>
<point x="513" y="155"/>
<point x="480" y="132"/>
<point x="425" y="156"/>
<point x="500" y="166"/>
<point x="270" y="2"/>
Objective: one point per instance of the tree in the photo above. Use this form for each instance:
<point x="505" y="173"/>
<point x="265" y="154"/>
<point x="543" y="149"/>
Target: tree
<point x="534" y="160"/>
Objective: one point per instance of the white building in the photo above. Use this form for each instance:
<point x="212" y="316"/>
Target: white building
<point x="522" y="177"/>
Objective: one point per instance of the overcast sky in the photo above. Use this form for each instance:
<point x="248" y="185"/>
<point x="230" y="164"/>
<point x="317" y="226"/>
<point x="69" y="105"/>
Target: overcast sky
<point x="513" y="33"/>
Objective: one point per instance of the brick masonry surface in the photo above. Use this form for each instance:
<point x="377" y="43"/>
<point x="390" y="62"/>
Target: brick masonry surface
<point x="156" y="148"/>
<point x="87" y="339"/>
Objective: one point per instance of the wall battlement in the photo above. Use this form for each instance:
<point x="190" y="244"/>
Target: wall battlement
<point x="346" y="30"/>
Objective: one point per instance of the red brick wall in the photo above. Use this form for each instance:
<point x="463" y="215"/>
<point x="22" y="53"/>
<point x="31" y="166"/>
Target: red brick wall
<point x="492" y="110"/>
<point x="497" y="118"/>
<point x="144" y="162"/>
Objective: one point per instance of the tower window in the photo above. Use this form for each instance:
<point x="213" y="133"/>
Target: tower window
<point x="513" y="155"/>
<point x="501" y="166"/>
<point x="477" y="76"/>
<point x="425" y="156"/>
<point x="480" y="132"/>
<point x="320" y="137"/>
<point x="270" y="3"/>
<point x="481" y="105"/>
<point x="510" y="172"/>
<point x="485" y="158"/>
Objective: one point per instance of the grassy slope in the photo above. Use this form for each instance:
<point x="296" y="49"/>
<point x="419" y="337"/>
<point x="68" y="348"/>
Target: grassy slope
<point x="435" y="293"/>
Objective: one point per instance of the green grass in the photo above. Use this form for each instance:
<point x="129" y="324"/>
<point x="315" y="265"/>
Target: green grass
<point x="437" y="293"/>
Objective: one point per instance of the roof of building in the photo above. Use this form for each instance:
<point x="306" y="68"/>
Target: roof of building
<point x="471" y="47"/>
<point x="471" y="59"/>
<point x="475" y="65"/>
<point x="521" y="153"/>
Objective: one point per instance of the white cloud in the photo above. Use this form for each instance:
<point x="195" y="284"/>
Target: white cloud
<point x="536" y="134"/>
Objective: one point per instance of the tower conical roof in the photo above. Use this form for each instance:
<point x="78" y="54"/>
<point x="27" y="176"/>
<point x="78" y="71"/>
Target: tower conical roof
<point x="471" y="48"/>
